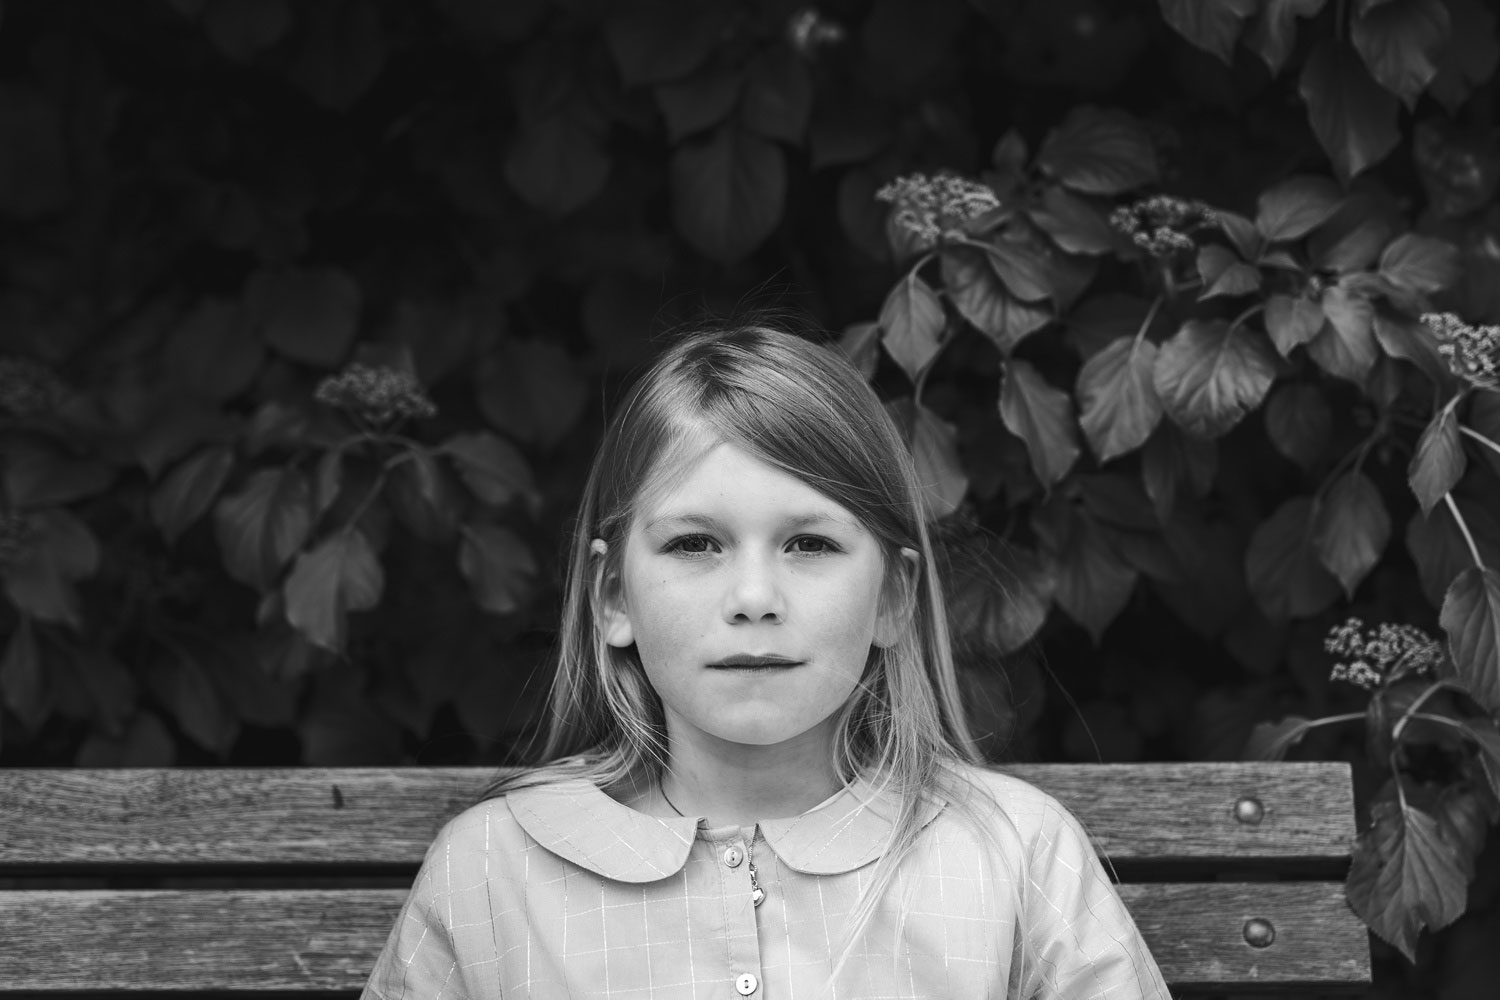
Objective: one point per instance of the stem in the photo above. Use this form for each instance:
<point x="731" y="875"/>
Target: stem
<point x="366" y="501"/>
<point x="1251" y="311"/>
<point x="1492" y="446"/>
<point x="1150" y="318"/>
<point x="1464" y="527"/>
<point x="1418" y="702"/>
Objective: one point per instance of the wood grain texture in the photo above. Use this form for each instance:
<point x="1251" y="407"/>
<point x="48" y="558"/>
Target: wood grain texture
<point x="322" y="817"/>
<point x="306" y="940"/>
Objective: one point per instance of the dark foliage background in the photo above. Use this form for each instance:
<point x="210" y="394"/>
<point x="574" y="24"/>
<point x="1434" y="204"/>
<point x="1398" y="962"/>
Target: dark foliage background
<point x="310" y="315"/>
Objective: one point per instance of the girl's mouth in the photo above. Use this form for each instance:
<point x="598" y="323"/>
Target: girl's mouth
<point x="746" y="661"/>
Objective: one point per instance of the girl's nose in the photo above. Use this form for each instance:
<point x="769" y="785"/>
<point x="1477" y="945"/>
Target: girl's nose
<point x="754" y="593"/>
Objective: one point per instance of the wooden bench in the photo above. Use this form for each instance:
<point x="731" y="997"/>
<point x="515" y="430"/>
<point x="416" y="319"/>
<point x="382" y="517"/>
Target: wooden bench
<point x="287" y="881"/>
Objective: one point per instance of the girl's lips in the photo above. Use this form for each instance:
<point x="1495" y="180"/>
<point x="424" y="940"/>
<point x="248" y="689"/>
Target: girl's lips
<point x="745" y="661"/>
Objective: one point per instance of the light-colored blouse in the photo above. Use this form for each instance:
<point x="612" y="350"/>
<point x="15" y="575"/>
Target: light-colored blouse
<point x="561" y="891"/>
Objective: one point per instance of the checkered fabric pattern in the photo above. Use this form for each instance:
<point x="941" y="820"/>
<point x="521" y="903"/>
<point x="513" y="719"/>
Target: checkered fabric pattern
<point x="561" y="891"/>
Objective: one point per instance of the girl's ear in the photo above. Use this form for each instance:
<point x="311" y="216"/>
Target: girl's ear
<point x="609" y="599"/>
<point x="898" y="601"/>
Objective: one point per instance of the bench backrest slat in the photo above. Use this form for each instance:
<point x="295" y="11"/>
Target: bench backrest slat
<point x="245" y="817"/>
<point x="309" y="940"/>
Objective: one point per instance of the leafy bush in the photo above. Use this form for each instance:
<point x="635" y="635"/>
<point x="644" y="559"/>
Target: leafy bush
<point x="303" y="306"/>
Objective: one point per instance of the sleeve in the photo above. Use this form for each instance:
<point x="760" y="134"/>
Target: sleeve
<point x="419" y="961"/>
<point x="1080" y="942"/>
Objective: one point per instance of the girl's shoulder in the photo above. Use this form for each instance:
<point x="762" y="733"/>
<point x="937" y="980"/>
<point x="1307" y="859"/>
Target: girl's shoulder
<point x="1034" y="813"/>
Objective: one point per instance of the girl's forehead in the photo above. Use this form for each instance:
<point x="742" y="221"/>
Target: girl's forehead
<point x="729" y="477"/>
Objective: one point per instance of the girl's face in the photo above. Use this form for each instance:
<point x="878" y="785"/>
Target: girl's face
<point x="752" y="600"/>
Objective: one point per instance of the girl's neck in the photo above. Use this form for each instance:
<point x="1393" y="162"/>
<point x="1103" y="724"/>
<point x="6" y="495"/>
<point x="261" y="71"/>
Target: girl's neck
<point x="733" y="784"/>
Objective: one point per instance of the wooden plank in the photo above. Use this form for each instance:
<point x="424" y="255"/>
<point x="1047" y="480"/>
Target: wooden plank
<point x="236" y="816"/>
<point x="305" y="940"/>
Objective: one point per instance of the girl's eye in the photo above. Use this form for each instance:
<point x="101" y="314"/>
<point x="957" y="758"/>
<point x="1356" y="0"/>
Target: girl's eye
<point x="691" y="545"/>
<point x="813" y="545"/>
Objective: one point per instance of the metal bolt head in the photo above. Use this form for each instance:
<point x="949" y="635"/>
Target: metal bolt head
<point x="1259" y="933"/>
<point x="1249" y="811"/>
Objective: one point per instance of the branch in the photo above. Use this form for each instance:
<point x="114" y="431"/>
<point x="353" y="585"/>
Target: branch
<point x="1463" y="527"/>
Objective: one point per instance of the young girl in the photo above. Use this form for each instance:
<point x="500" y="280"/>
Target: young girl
<point x="759" y="779"/>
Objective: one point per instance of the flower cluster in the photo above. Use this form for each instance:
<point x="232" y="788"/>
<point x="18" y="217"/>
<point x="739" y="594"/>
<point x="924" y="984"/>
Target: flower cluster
<point x="377" y="395"/>
<point x="1162" y="225"/>
<point x="1384" y="653"/>
<point x="16" y="532"/>
<point x="929" y="208"/>
<point x="1473" y="352"/>
<point x="808" y="31"/>
<point x="27" y="387"/>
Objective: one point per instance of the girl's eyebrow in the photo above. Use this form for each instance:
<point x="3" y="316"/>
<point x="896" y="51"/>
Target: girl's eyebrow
<point x="711" y="523"/>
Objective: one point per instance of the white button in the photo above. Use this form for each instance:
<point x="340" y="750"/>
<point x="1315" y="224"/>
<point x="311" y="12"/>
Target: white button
<point x="746" y="984"/>
<point x="733" y="856"/>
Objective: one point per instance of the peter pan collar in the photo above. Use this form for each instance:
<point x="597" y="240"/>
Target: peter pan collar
<point x="580" y="823"/>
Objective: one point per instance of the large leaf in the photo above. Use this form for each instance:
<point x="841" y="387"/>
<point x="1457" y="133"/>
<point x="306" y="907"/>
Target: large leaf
<point x="1092" y="582"/>
<point x="1471" y="618"/>
<point x="338" y="575"/>
<point x="1274" y="33"/>
<point x="183" y="496"/>
<point x="558" y="163"/>
<point x="1353" y="236"/>
<point x="1042" y="416"/>
<point x="211" y="353"/>
<point x="1175" y="465"/>
<point x="727" y="192"/>
<point x="1292" y="320"/>
<point x="1298" y="422"/>
<point x="263" y="524"/>
<point x="1296" y="206"/>
<point x="1212" y="25"/>
<point x="423" y="494"/>
<point x="1272" y="740"/>
<point x="1406" y="876"/>
<point x="309" y="316"/>
<point x="39" y="579"/>
<point x="1024" y="263"/>
<point x="1098" y="151"/>
<point x="656" y="42"/>
<point x="1472" y="54"/>
<point x="1410" y="340"/>
<point x="1073" y="223"/>
<point x="778" y="96"/>
<point x="1351" y="529"/>
<point x="1439" y="461"/>
<point x="1346" y="346"/>
<point x="1401" y="43"/>
<point x="1420" y="263"/>
<point x="38" y="474"/>
<point x="1209" y="376"/>
<point x="492" y="467"/>
<point x="913" y="323"/>
<point x="498" y="566"/>
<point x="1117" y="398"/>
<point x="532" y="390"/>
<point x="1353" y="117"/>
<point x="23" y="676"/>
<point x="1223" y="273"/>
<point x="1439" y="549"/>
<point x="183" y="686"/>
<point x="980" y="297"/>
<point x="1282" y="567"/>
<point x="934" y="449"/>
<point x="702" y="101"/>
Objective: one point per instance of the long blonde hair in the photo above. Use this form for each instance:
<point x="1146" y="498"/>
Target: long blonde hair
<point x="803" y="409"/>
